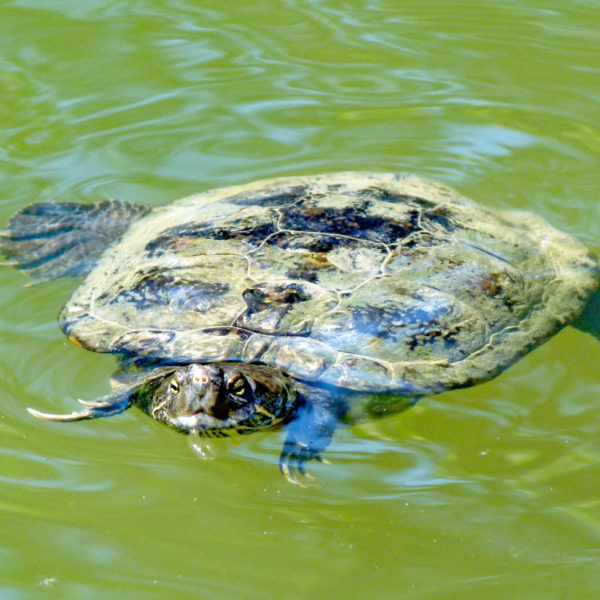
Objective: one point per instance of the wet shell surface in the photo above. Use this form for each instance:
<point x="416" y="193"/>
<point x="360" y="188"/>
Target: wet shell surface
<point x="365" y="281"/>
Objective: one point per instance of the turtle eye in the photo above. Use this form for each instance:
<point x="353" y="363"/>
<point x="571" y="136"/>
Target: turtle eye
<point x="174" y="386"/>
<point x="238" y="386"/>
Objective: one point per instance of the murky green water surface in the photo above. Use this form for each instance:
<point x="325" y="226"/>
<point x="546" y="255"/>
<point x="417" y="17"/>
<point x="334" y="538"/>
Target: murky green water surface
<point x="490" y="492"/>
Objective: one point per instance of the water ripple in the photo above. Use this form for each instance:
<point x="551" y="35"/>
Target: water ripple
<point x="150" y="101"/>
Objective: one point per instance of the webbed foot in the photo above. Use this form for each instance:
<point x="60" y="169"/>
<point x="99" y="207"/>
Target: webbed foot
<point x="63" y="239"/>
<point x="292" y="464"/>
<point x="309" y="434"/>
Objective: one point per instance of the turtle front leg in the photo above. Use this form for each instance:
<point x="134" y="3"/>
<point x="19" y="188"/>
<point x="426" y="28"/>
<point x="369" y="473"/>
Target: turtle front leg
<point x="308" y="435"/>
<point x="114" y="403"/>
<point x="137" y="388"/>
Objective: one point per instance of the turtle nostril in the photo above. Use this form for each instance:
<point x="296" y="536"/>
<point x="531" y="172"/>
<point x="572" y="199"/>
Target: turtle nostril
<point x="200" y="374"/>
<point x="198" y="410"/>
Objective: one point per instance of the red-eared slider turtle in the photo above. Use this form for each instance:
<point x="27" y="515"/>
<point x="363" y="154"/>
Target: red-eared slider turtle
<point x="301" y="300"/>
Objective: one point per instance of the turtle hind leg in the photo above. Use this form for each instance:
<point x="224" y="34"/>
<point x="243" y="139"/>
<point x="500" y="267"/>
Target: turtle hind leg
<point x="64" y="239"/>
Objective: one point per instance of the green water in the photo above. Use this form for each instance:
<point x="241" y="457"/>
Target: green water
<point x="491" y="492"/>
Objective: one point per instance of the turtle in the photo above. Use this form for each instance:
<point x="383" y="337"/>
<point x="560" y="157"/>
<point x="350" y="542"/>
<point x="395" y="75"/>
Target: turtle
<point x="302" y="302"/>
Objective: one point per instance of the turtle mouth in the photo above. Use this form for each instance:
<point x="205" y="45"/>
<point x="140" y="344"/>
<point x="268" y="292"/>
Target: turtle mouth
<point x="248" y="418"/>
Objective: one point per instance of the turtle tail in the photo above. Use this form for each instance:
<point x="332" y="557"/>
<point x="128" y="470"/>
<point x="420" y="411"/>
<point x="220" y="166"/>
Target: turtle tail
<point x="64" y="239"/>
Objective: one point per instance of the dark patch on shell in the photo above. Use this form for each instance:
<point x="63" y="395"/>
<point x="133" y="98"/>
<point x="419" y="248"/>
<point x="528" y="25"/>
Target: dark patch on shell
<point x="308" y="266"/>
<point x="493" y="284"/>
<point x="239" y="229"/>
<point x="258" y="298"/>
<point x="396" y="322"/>
<point x="170" y="237"/>
<point x="423" y="202"/>
<point x="232" y="331"/>
<point x="383" y="195"/>
<point x="441" y="216"/>
<point x="269" y="197"/>
<point x="269" y="305"/>
<point x="352" y="220"/>
<point x="156" y="287"/>
<point x="318" y="243"/>
<point x="149" y="342"/>
<point x="304" y="274"/>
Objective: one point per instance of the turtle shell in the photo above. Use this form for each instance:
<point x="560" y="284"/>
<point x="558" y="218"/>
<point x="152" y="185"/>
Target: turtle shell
<point x="371" y="282"/>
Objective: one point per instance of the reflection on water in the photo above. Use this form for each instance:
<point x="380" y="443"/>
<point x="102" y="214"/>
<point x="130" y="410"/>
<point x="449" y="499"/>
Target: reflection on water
<point x="489" y="491"/>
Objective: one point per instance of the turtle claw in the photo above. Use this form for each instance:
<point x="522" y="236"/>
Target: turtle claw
<point x="289" y="472"/>
<point x="323" y="461"/>
<point x="292" y="464"/>
<point x="74" y="416"/>
<point x="112" y="404"/>
<point x="115" y="402"/>
<point x="93" y="410"/>
<point x="99" y="404"/>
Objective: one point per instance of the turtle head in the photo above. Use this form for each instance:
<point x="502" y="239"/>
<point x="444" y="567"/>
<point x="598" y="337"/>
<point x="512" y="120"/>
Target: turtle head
<point x="221" y="398"/>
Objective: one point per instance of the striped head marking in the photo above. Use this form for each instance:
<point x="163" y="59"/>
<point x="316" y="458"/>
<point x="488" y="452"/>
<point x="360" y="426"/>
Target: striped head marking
<point x="222" y="398"/>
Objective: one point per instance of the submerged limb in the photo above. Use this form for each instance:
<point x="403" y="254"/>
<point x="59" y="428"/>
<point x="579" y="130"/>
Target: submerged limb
<point x="589" y="320"/>
<point x="119" y="400"/>
<point x="308" y="435"/>
<point x="64" y="239"/>
<point x="113" y="403"/>
<point x="93" y="410"/>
